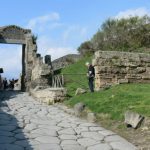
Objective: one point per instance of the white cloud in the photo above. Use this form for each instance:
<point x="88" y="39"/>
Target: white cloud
<point x="133" y="12"/>
<point x="46" y="46"/>
<point x="41" y="20"/>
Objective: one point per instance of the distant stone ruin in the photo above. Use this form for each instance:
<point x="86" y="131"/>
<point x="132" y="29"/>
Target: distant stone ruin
<point x="64" y="61"/>
<point x="113" y="67"/>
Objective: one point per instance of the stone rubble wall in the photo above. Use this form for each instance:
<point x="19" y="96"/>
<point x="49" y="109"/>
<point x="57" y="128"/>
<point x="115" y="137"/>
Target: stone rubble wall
<point x="113" y="67"/>
<point x="49" y="95"/>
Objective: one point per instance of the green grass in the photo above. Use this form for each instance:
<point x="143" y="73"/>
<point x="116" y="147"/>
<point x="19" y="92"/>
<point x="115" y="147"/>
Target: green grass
<point x="75" y="76"/>
<point x="114" y="101"/>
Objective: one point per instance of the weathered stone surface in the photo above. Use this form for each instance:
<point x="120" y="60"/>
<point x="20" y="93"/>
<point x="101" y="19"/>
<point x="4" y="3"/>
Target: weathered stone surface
<point x="106" y="132"/>
<point x="67" y="137"/>
<point x="69" y="142"/>
<point x="50" y="128"/>
<point x="91" y="117"/>
<point x="94" y="135"/>
<point x="47" y="147"/>
<point x="78" y="108"/>
<point x="48" y="140"/>
<point x="101" y="146"/>
<point x="67" y="131"/>
<point x="122" y="146"/>
<point x="133" y="119"/>
<point x="73" y="147"/>
<point x="50" y="95"/>
<point x="87" y="142"/>
<point x="113" y="67"/>
<point x="80" y="91"/>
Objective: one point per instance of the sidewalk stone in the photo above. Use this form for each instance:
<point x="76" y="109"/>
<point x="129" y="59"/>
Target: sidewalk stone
<point x="102" y="146"/>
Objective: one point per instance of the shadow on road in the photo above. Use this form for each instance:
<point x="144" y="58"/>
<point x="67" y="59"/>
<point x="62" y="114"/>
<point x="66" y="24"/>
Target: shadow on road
<point x="11" y="129"/>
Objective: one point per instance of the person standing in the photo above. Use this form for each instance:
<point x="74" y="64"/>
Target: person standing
<point x="91" y="76"/>
<point x="5" y="83"/>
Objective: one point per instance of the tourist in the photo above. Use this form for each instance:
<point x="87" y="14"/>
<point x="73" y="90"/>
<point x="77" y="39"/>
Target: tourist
<point x="5" y="83"/>
<point x="11" y="85"/>
<point x="90" y="75"/>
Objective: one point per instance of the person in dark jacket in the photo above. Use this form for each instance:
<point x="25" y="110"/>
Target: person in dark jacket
<point x="5" y="83"/>
<point x="91" y="76"/>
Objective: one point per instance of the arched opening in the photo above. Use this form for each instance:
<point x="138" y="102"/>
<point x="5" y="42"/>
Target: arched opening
<point x="13" y="63"/>
<point x="16" y="35"/>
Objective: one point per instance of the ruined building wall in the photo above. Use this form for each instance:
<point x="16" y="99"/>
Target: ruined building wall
<point x="64" y="61"/>
<point x="113" y="67"/>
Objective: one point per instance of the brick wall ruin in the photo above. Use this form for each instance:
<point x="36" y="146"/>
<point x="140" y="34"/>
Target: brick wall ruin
<point x="113" y="67"/>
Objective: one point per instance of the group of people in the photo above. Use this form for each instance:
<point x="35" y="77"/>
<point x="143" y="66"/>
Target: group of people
<point x="8" y="84"/>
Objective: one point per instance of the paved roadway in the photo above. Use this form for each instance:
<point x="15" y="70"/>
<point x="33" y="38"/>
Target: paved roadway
<point x="26" y="124"/>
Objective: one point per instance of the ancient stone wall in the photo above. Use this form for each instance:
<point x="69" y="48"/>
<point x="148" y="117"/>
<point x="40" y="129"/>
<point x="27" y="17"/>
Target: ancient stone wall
<point x="49" y="95"/>
<point x="40" y="72"/>
<point x="113" y="67"/>
<point x="65" y="61"/>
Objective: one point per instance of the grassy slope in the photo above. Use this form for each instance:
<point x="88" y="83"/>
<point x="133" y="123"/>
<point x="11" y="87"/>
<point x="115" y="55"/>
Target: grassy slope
<point x="114" y="101"/>
<point x="75" y="76"/>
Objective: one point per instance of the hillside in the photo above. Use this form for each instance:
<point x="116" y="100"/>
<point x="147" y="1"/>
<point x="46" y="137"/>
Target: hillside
<point x="114" y="101"/>
<point x="110" y="105"/>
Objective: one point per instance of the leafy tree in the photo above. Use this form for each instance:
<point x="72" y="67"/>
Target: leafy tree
<point x="126" y="34"/>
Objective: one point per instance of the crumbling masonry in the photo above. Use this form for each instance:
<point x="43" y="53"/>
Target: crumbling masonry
<point x="113" y="67"/>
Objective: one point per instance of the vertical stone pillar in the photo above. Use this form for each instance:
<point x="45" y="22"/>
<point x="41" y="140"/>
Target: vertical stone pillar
<point x="30" y="49"/>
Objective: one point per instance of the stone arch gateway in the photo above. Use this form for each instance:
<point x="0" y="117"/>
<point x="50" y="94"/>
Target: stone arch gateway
<point x="16" y="35"/>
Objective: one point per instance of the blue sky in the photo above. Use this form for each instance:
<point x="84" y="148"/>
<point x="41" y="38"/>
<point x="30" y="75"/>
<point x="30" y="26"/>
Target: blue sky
<point x="61" y="25"/>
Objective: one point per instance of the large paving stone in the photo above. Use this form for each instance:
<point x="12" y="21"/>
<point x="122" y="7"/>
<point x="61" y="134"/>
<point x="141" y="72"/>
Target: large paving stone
<point x="30" y="127"/>
<point x="67" y="137"/>
<point x="94" y="135"/>
<point x="69" y="142"/>
<point x="106" y="132"/>
<point x="64" y="124"/>
<point x="73" y="147"/>
<point x="122" y="146"/>
<point x="89" y="124"/>
<point x="87" y="142"/>
<point x="96" y="128"/>
<point x="48" y="140"/>
<point x="81" y="129"/>
<point x="50" y="127"/>
<point x="101" y="146"/>
<point x="44" y="132"/>
<point x="67" y="131"/>
<point x="114" y="138"/>
<point x="47" y="147"/>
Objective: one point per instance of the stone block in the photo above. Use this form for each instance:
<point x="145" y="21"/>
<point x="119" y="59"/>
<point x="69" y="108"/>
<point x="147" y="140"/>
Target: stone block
<point x="133" y="119"/>
<point x="78" y="108"/>
<point x="80" y="91"/>
<point x="49" y="95"/>
<point x="91" y="117"/>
